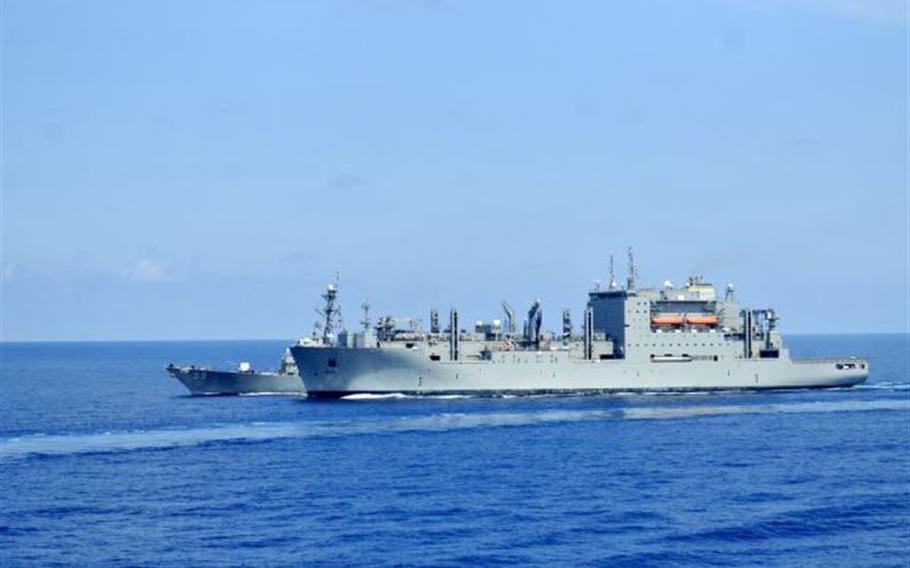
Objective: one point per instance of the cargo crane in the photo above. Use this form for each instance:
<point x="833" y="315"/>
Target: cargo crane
<point x="510" y="318"/>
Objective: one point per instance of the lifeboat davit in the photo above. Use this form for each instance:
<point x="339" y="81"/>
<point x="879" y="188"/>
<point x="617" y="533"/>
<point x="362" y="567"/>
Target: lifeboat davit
<point x="667" y="319"/>
<point x="706" y="319"/>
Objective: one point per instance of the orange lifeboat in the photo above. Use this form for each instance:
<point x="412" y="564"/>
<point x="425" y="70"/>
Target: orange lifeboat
<point x="705" y="319"/>
<point x="667" y="319"/>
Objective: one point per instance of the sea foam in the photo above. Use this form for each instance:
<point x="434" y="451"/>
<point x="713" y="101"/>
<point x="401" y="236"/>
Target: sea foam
<point x="68" y="444"/>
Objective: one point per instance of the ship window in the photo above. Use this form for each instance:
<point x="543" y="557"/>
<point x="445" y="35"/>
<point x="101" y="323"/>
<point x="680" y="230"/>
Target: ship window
<point x="435" y="357"/>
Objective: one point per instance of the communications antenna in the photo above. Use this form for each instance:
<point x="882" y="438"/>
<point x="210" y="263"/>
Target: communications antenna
<point x="630" y="283"/>
<point x="331" y="313"/>
<point x="613" y="284"/>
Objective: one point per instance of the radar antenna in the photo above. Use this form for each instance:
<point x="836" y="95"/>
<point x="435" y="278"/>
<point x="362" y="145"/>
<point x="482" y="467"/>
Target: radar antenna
<point x="331" y="313"/>
<point x="612" y="284"/>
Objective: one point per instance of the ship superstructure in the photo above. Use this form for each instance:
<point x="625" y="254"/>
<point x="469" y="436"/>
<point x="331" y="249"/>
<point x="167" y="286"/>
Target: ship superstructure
<point x="631" y="339"/>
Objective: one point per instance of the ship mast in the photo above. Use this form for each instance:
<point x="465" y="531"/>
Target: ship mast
<point x="365" y="322"/>
<point x="331" y="313"/>
<point x="630" y="282"/>
<point x="613" y="284"/>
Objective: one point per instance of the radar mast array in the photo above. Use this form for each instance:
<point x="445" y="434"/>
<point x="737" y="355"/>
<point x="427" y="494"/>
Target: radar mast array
<point x="630" y="279"/>
<point x="630" y="282"/>
<point x="613" y="285"/>
<point x="331" y="313"/>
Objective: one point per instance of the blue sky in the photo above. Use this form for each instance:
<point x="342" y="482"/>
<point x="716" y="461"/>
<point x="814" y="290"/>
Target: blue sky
<point x="202" y="169"/>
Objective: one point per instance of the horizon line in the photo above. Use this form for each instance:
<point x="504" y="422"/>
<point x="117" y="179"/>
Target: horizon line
<point x="251" y="339"/>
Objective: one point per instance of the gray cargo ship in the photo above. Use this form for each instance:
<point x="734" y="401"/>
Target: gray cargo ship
<point x="245" y="380"/>
<point x="631" y="339"/>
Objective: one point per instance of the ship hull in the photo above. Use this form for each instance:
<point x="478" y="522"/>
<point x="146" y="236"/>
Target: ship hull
<point x="209" y="382"/>
<point x="336" y="372"/>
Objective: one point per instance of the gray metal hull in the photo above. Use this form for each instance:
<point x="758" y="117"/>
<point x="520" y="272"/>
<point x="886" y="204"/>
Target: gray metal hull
<point x="208" y="382"/>
<point x="334" y="372"/>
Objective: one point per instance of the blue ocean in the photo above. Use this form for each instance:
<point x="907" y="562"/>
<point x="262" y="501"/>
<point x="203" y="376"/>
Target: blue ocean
<point x="106" y="461"/>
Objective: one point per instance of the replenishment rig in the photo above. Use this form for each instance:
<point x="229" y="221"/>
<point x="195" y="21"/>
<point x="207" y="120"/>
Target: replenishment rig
<point x="631" y="339"/>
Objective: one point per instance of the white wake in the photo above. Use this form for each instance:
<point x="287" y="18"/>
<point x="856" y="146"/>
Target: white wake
<point x="68" y="444"/>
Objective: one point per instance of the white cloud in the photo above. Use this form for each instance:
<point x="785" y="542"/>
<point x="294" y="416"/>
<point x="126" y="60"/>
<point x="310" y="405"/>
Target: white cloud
<point x="148" y="270"/>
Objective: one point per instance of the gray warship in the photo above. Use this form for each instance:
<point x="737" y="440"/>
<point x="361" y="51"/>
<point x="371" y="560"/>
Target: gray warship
<point x="667" y="338"/>
<point x="245" y="380"/>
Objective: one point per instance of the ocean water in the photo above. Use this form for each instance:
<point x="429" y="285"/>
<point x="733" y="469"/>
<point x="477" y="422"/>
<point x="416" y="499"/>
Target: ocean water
<point x="106" y="461"/>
